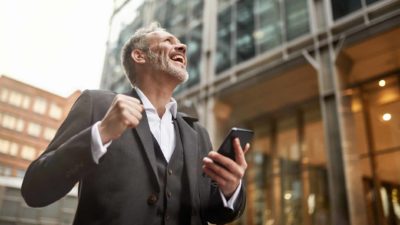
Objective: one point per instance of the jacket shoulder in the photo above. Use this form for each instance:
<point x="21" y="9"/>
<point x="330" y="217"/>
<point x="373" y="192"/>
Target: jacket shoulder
<point x="99" y="94"/>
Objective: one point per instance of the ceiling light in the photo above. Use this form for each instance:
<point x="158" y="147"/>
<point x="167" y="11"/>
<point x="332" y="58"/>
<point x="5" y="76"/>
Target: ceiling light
<point x="387" y="117"/>
<point x="382" y="83"/>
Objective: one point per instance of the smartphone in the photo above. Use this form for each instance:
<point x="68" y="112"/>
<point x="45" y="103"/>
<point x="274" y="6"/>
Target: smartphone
<point x="245" y="136"/>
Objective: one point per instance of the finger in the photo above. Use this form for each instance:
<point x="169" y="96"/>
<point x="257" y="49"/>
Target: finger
<point x="129" y="120"/>
<point x="226" y="162"/>
<point x="128" y="98"/>
<point x="239" y="152"/>
<point x="226" y="174"/>
<point x="220" y="181"/>
<point x="123" y="101"/>
<point x="134" y="109"/>
<point x="246" y="148"/>
<point x="133" y="105"/>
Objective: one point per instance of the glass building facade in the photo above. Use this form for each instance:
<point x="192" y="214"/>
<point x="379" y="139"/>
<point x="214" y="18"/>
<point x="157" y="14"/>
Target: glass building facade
<point x="318" y="82"/>
<point x="14" y="211"/>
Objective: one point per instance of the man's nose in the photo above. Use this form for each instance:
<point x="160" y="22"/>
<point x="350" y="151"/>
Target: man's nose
<point x="181" y="48"/>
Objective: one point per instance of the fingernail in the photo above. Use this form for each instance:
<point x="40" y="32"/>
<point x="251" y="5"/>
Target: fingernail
<point x="206" y="159"/>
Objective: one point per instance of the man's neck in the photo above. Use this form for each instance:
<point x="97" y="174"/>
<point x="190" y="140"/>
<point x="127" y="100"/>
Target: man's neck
<point x="159" y="97"/>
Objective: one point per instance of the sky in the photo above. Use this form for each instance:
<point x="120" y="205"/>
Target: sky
<point x="56" y="45"/>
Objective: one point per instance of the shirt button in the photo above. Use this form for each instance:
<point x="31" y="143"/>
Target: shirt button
<point x="169" y="171"/>
<point x="169" y="194"/>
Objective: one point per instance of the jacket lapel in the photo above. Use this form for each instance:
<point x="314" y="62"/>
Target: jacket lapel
<point x="145" y="136"/>
<point x="190" y="147"/>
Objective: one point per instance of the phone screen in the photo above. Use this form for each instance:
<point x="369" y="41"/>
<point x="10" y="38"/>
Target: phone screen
<point x="245" y="136"/>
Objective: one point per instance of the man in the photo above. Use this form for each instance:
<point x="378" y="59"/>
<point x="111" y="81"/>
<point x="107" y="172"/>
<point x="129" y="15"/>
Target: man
<point x="136" y="159"/>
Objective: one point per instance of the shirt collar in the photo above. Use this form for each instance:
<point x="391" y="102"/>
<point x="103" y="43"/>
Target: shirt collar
<point x="172" y="106"/>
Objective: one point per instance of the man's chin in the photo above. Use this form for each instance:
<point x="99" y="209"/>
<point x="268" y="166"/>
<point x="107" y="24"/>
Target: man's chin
<point x="185" y="77"/>
<point x="181" y="75"/>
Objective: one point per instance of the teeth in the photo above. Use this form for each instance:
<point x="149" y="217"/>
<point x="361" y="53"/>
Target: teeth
<point x="177" y="57"/>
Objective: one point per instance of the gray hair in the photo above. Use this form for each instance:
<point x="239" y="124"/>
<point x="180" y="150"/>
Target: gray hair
<point x="137" y="41"/>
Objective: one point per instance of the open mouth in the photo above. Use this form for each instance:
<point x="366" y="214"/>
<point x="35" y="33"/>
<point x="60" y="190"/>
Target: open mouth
<point x="178" y="58"/>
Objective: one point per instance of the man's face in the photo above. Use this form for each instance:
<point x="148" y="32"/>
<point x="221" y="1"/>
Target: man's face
<point x="168" y="54"/>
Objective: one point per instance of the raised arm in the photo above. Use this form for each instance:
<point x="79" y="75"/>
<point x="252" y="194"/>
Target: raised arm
<point x="65" y="161"/>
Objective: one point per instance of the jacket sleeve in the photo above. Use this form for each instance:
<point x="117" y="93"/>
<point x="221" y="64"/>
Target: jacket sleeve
<point x="213" y="208"/>
<point x="65" y="161"/>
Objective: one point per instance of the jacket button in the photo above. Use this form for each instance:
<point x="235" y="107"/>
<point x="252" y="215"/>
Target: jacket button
<point x="169" y="194"/>
<point x="169" y="171"/>
<point x="152" y="199"/>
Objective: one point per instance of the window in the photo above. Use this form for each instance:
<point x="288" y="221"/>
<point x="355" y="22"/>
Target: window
<point x="13" y="149"/>
<point x="13" y="123"/>
<point x="49" y="133"/>
<point x="245" y="28"/>
<point x="28" y="152"/>
<point x="15" y="98"/>
<point x="8" y="121"/>
<point x="296" y="15"/>
<point x="34" y="129"/>
<point x="176" y="16"/>
<point x="5" y="170"/>
<point x="26" y="101"/>
<point x="40" y="105"/>
<point x="269" y="33"/>
<point x="8" y="147"/>
<point x="4" y="95"/>
<point x="256" y="26"/>
<point x="55" y="111"/>
<point x="19" y="125"/>
<point x="4" y="146"/>
<point x="343" y="7"/>
<point x="224" y="36"/>
<point x="374" y="141"/>
<point x="20" y="173"/>
<point x="194" y="56"/>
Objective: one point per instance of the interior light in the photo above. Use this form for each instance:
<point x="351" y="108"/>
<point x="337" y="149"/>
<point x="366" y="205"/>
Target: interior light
<point x="387" y="117"/>
<point x="382" y="83"/>
<point x="288" y="196"/>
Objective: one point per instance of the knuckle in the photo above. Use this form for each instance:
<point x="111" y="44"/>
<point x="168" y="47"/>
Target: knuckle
<point x="117" y="97"/>
<point x="241" y="173"/>
<point x="119" y="104"/>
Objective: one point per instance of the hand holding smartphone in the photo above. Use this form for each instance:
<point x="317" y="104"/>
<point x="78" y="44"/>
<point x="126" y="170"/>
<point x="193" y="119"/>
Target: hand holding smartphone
<point x="245" y="136"/>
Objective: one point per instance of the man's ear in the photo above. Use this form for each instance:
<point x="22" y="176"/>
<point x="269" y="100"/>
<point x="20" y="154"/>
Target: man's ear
<point x="138" y="56"/>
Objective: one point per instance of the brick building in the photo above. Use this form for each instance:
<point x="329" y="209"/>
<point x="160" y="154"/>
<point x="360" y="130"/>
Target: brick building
<point x="29" y="118"/>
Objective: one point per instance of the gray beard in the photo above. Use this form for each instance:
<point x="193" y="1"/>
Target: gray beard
<point x="162" y="64"/>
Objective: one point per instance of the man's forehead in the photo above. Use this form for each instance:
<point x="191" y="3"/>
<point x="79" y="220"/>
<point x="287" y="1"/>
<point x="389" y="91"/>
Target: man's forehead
<point x="161" y="34"/>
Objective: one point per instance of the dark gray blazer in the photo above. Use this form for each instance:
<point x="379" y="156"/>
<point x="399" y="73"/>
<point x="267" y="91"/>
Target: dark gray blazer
<point x="122" y="188"/>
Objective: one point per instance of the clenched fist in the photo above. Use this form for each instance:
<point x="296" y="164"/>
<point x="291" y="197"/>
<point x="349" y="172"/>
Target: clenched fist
<point x="124" y="112"/>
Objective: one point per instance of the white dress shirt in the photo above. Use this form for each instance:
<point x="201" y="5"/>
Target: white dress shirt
<point x="162" y="130"/>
